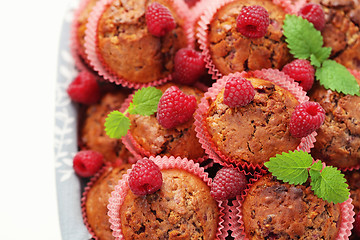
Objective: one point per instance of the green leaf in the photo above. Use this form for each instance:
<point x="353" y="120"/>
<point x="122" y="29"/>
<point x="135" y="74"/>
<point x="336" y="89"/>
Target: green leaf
<point x="330" y="185"/>
<point x="336" y="77"/>
<point x="303" y="39"/>
<point x="116" y="124"/>
<point x="290" y="167"/>
<point x="145" y="101"/>
<point x="320" y="56"/>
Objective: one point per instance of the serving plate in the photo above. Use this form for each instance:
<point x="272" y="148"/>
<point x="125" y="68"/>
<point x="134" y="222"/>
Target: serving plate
<point x="68" y="185"/>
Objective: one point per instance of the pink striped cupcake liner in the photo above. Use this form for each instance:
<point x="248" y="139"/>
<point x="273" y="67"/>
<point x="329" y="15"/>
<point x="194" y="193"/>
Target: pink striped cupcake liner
<point x="210" y="147"/>
<point x="91" y="43"/>
<point x="118" y="195"/>
<point x="237" y="222"/>
<point x="80" y="59"/>
<point x="207" y="13"/>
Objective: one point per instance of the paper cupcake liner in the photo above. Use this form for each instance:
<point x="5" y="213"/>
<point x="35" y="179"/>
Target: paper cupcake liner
<point x="203" y="29"/>
<point x="272" y="75"/>
<point x="95" y="58"/>
<point x="137" y="150"/>
<point x="118" y="195"/>
<point x="237" y="223"/>
<point x="80" y="60"/>
<point x="89" y="185"/>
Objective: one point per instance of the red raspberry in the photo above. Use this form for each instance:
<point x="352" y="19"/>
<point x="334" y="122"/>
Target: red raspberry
<point x="306" y="118"/>
<point x="357" y="224"/>
<point x="145" y="177"/>
<point x="175" y="107"/>
<point x="227" y="184"/>
<point x="313" y="13"/>
<point x="253" y="21"/>
<point x="159" y="19"/>
<point x="301" y="71"/>
<point x="84" y="88"/>
<point x="238" y="92"/>
<point x="87" y="162"/>
<point x="189" y="65"/>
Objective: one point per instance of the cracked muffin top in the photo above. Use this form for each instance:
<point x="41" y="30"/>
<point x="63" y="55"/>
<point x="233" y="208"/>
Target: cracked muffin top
<point x="255" y="132"/>
<point x="338" y="139"/>
<point x="97" y="200"/>
<point x="92" y="133"/>
<point x="341" y="31"/>
<point x="176" y="211"/>
<point x="126" y="47"/>
<point x="232" y="52"/>
<point x="180" y="141"/>
<point x="276" y="210"/>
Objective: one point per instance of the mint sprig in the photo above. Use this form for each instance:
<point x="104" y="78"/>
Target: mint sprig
<point x="295" y="167"/>
<point x="145" y="102"/>
<point x="305" y="42"/>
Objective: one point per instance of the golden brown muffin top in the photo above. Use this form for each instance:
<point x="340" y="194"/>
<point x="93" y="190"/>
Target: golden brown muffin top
<point x="338" y="139"/>
<point x="257" y="131"/>
<point x="180" y="141"/>
<point x="93" y="135"/>
<point x="283" y="211"/>
<point x="182" y="209"/>
<point x="232" y="52"/>
<point x="97" y="201"/>
<point x="129" y="50"/>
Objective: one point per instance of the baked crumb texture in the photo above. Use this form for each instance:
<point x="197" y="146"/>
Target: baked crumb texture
<point x="232" y="52"/>
<point x="276" y="210"/>
<point x="253" y="133"/>
<point x="338" y="139"/>
<point x="182" y="209"/>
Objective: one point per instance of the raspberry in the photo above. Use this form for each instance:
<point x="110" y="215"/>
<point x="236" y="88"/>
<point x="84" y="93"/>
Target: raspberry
<point x="301" y="71"/>
<point x="357" y="224"/>
<point x="253" y="21"/>
<point x="84" y="88"/>
<point x="159" y="19"/>
<point x="189" y="65"/>
<point x="227" y="184"/>
<point x="238" y="92"/>
<point x="306" y="118"/>
<point x="313" y="13"/>
<point x="87" y="162"/>
<point x="175" y="107"/>
<point x="145" y="177"/>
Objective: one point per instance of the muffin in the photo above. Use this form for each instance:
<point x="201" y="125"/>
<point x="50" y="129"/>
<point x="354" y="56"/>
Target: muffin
<point x="176" y="211"/>
<point x="147" y="137"/>
<point x="251" y="134"/>
<point x="121" y="48"/>
<point x="78" y="33"/>
<point x="341" y="31"/>
<point x="92" y="132"/>
<point x="273" y="209"/>
<point x="228" y="51"/>
<point x="338" y="139"/>
<point x="95" y="200"/>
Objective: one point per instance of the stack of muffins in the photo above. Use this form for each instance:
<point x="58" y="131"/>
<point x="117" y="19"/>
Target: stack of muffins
<point x="110" y="39"/>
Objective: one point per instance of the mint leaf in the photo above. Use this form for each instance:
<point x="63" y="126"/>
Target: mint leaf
<point x="320" y="56"/>
<point x="145" y="101"/>
<point x="116" y="124"/>
<point x="336" y="77"/>
<point x="303" y="39"/>
<point x="290" y="167"/>
<point x="330" y="185"/>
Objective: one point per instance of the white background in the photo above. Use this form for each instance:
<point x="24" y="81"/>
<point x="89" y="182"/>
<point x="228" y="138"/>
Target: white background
<point x="29" y="41"/>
